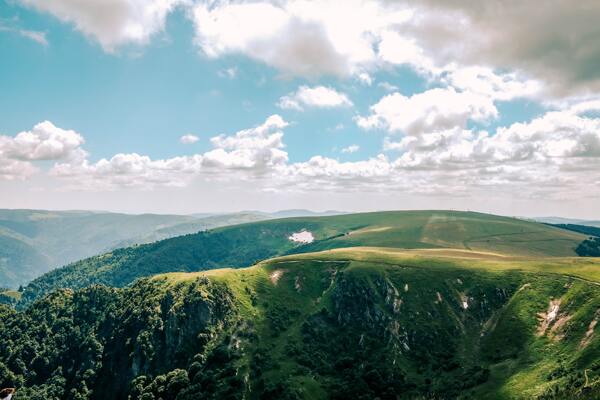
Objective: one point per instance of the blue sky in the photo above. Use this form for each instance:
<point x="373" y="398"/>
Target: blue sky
<point x="420" y="106"/>
<point x="144" y="98"/>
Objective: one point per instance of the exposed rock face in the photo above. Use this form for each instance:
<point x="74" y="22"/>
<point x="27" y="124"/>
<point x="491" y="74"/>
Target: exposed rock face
<point x="171" y="328"/>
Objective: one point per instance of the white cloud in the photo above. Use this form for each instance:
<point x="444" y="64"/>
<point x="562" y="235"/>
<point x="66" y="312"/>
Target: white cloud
<point x="388" y="87"/>
<point x="351" y="149"/>
<point x="111" y="22"/>
<point x="397" y="49"/>
<point x="554" y="156"/>
<point x="486" y="82"/>
<point x="433" y="110"/>
<point x="36" y="36"/>
<point x="15" y="169"/>
<point x="546" y="147"/>
<point x="189" y="139"/>
<point x="318" y="97"/>
<point x="298" y="37"/>
<point x="516" y="40"/>
<point x="557" y="45"/>
<point x="365" y="79"/>
<point x="256" y="149"/>
<point x="44" y="142"/>
<point x="254" y="152"/>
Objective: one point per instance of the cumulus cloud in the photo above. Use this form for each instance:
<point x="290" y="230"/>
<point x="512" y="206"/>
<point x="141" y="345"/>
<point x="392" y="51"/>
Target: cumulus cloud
<point x="15" y="169"/>
<point x="497" y="86"/>
<point x="254" y="152"/>
<point x="111" y="22"/>
<point x="556" y="155"/>
<point x="44" y="142"/>
<point x="551" y="146"/>
<point x="256" y="149"/>
<point x="517" y="40"/>
<point x="189" y="139"/>
<point x="298" y="37"/>
<point x="556" y="43"/>
<point x="433" y="110"/>
<point x="317" y="97"/>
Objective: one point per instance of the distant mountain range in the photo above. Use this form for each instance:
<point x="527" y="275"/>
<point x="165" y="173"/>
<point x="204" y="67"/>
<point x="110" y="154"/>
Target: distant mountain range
<point x="33" y="242"/>
<point x="565" y="221"/>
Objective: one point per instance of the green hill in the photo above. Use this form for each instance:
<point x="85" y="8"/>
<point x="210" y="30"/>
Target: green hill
<point x="243" y="245"/>
<point x="359" y="323"/>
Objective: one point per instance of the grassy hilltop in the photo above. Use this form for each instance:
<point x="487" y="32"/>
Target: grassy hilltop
<point x="243" y="245"/>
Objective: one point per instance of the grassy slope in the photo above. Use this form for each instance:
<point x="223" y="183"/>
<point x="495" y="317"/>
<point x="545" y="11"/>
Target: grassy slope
<point x="242" y="245"/>
<point x="523" y="365"/>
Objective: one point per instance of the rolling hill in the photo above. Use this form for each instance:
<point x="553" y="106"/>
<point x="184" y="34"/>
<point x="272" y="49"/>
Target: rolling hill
<point x="360" y="323"/>
<point x="33" y="242"/>
<point x="244" y="245"/>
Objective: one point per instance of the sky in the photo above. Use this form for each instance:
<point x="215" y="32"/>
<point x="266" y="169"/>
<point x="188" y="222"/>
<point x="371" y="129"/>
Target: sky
<point x="185" y="106"/>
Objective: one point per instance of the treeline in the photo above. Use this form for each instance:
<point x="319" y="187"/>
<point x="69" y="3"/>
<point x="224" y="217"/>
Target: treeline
<point x="589" y="247"/>
<point x="585" y="229"/>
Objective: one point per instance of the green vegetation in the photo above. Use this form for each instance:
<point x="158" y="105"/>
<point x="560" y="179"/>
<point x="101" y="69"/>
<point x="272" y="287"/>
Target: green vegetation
<point x="589" y="247"/>
<point x="586" y="230"/>
<point x="9" y="297"/>
<point x="243" y="245"/>
<point x="33" y="242"/>
<point x="359" y="323"/>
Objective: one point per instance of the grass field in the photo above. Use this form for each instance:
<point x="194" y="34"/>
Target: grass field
<point x="444" y="229"/>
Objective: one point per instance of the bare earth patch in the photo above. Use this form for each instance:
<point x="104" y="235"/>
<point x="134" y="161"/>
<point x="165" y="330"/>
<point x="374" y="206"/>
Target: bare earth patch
<point x="276" y="275"/>
<point x="548" y="317"/>
<point x="302" y="237"/>
<point x="589" y="334"/>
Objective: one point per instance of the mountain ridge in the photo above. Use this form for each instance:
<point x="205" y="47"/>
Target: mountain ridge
<point x="243" y="245"/>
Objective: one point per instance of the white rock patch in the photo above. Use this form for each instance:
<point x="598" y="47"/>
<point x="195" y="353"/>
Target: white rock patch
<point x="302" y="237"/>
<point x="548" y="317"/>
